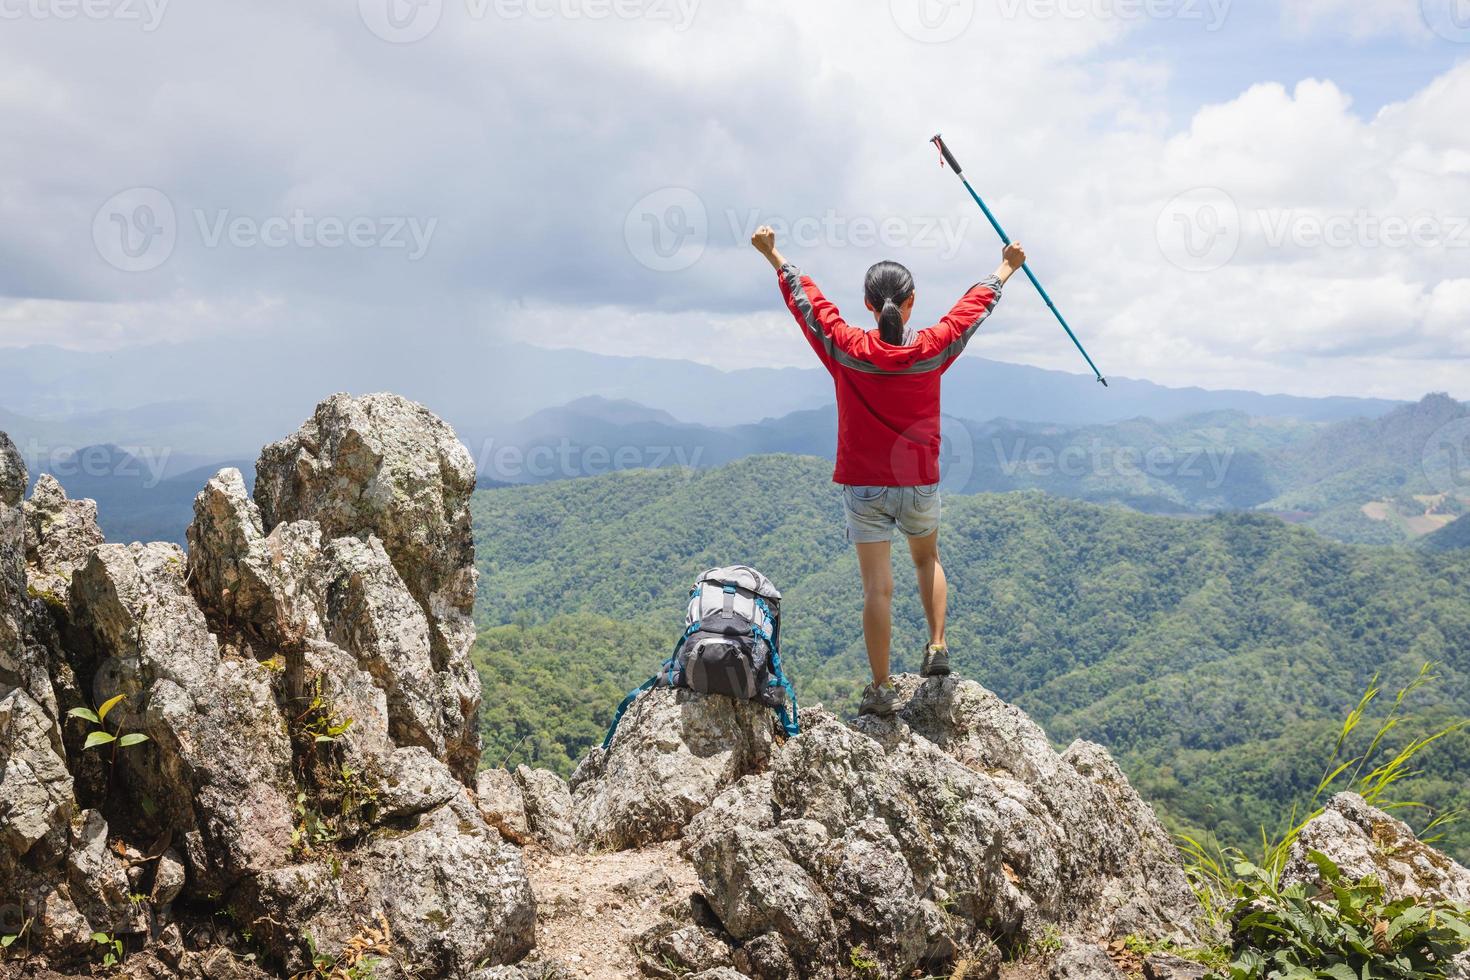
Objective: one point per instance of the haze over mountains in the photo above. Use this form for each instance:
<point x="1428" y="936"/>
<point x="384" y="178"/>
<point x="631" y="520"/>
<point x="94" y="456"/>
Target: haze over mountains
<point x="236" y="394"/>
<point x="139" y="429"/>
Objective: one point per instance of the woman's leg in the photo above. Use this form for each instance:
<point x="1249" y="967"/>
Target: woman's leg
<point x="876" y="562"/>
<point x="933" y="586"/>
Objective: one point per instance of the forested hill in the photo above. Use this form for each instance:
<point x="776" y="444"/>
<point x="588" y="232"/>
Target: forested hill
<point x="1215" y="656"/>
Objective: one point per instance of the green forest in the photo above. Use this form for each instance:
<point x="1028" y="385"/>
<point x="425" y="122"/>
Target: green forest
<point x="1214" y="656"/>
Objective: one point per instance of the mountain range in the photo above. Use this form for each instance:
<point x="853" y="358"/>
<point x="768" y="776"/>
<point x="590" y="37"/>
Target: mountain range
<point x="207" y="396"/>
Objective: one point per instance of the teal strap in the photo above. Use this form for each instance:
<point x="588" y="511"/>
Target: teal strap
<point x="665" y="674"/>
<point x="623" y="707"/>
<point x="791" y="722"/>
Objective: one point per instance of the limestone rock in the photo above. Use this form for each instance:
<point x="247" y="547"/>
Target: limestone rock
<point x="674" y="752"/>
<point x="1083" y="961"/>
<point x="765" y="958"/>
<point x="1362" y="840"/>
<point x="13" y="480"/>
<point x="218" y="765"/>
<point x="368" y="611"/>
<point x="502" y="804"/>
<point x="1163" y="966"/>
<point x="916" y="837"/>
<point x="169" y="877"/>
<point x="98" y="880"/>
<point x="548" y="808"/>
<point x="671" y="950"/>
<point x="412" y="782"/>
<point x="245" y="580"/>
<point x="36" y="792"/>
<point x="382" y="465"/>
<point x="453" y="893"/>
<point x="60" y="534"/>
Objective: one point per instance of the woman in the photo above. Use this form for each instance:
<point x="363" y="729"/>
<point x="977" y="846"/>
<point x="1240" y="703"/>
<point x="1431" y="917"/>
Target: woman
<point x="887" y="382"/>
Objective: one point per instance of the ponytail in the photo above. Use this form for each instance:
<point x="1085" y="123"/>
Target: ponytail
<point x="890" y="323"/>
<point x="887" y="287"/>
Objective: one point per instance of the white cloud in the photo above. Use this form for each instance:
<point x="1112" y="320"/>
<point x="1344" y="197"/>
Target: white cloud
<point x="528" y="140"/>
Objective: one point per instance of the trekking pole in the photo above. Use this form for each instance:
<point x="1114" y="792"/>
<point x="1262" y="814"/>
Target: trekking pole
<point x="955" y="166"/>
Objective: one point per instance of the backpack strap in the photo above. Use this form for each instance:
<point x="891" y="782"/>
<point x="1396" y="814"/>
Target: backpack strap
<point x="790" y="721"/>
<point x="665" y="675"/>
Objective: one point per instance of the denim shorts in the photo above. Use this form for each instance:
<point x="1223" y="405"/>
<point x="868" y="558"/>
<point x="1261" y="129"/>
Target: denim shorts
<point x="873" y="512"/>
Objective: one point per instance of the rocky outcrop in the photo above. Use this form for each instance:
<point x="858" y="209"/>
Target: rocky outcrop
<point x="1363" y="840"/>
<point x="291" y="729"/>
<point x="900" y="844"/>
<point x="383" y="467"/>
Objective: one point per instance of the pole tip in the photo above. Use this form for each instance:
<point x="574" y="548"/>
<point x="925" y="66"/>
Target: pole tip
<point x="1103" y="381"/>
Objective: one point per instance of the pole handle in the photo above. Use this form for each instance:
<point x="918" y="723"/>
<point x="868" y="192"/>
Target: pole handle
<point x="954" y="164"/>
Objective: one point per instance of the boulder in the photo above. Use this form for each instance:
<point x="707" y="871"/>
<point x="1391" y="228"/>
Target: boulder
<point x="98" y="880"/>
<point x="670" y="950"/>
<point x="384" y="466"/>
<point x="1165" y="966"/>
<point x="1362" y="840"/>
<point x="498" y="794"/>
<point x="1083" y="961"/>
<point x="36" y="792"/>
<point x="60" y="535"/>
<point x="548" y="806"/>
<point x="673" y="753"/>
<point x="765" y="958"/>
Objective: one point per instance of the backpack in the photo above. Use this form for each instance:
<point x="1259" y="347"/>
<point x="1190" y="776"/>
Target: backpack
<point x="730" y="645"/>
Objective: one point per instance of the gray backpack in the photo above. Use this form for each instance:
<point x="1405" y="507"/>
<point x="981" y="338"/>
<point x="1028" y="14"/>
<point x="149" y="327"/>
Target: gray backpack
<point x="730" y="645"/>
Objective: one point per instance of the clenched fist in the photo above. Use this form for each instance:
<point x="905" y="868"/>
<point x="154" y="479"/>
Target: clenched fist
<point x="764" y="239"/>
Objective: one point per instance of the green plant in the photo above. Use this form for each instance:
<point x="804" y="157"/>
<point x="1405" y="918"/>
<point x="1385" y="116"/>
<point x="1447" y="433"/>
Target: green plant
<point x="359" y="958"/>
<point x="1348" y="930"/>
<point x="862" y="961"/>
<point x="320" y="721"/>
<point x="312" y="830"/>
<point x="1050" y="941"/>
<point x="110" y="946"/>
<point x="10" y="939"/>
<point x="100" y="736"/>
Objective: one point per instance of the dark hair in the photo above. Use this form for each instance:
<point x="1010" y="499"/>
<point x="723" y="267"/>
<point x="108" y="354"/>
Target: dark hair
<point x="888" y="286"/>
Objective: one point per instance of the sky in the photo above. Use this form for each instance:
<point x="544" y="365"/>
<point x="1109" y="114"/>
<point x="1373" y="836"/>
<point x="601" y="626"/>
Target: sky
<point x="1272" y="195"/>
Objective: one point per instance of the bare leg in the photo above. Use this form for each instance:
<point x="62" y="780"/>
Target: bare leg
<point x="933" y="586"/>
<point x="875" y="561"/>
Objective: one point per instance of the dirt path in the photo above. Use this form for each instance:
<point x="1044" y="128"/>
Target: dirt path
<point x="590" y="907"/>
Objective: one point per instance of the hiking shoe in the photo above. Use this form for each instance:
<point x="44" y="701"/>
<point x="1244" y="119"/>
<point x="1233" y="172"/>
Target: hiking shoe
<point x="936" y="662"/>
<point x="880" y="701"/>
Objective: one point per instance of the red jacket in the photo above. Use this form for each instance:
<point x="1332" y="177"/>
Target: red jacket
<point x="887" y="397"/>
